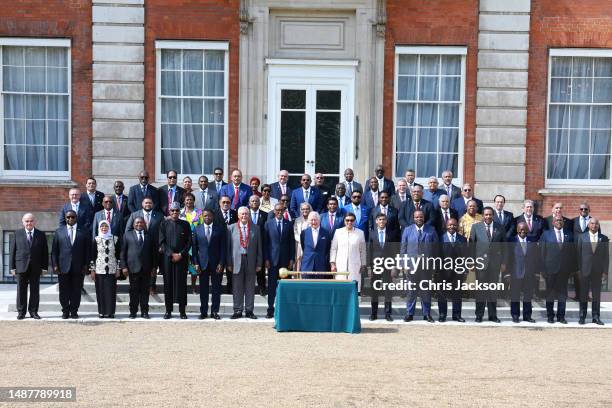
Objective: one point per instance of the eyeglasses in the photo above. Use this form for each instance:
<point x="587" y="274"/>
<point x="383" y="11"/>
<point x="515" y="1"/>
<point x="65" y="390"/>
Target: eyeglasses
<point x="172" y="177"/>
<point x="173" y="211"/>
<point x="266" y="191"/>
<point x="218" y="174"/>
<point x="356" y="196"/>
<point x="106" y="202"/>
<point x="225" y="202"/>
<point x="467" y="189"/>
<point x="70" y="217"/>
<point x="583" y="209"/>
<point x="144" y="177"/>
<point x="349" y="220"/>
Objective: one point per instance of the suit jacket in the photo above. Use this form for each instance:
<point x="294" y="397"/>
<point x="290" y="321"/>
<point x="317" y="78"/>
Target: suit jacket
<point x="537" y="225"/>
<point x="368" y="200"/>
<point x="356" y="187"/>
<point x="590" y="262"/>
<point x="254" y="248"/>
<point x="448" y="249"/>
<point x="164" y="206"/>
<point x="34" y="257"/>
<point x="244" y="193"/>
<point x="338" y="222"/>
<point x="557" y="259"/>
<point x="297" y="198"/>
<point x="406" y="213"/>
<point x="123" y="209"/>
<point x="277" y="192"/>
<point x="363" y="221"/>
<point x="85" y="214"/>
<point x="280" y="249"/>
<point x="433" y="198"/>
<point x="67" y="256"/>
<point x="458" y="204"/>
<point x="137" y="258"/>
<point x="342" y="201"/>
<point x="117" y="223"/>
<point x="568" y="224"/>
<point x="212" y="200"/>
<point x="507" y="223"/>
<point x="135" y="197"/>
<point x="98" y="198"/>
<point x="455" y="191"/>
<point x="491" y="251"/>
<point x="315" y="257"/>
<point x="220" y="219"/>
<point x="439" y="223"/>
<point x="262" y="217"/>
<point x="396" y="201"/>
<point x="153" y="227"/>
<point x="390" y="244"/>
<point x="523" y="264"/>
<point x="213" y="185"/>
<point x="413" y="246"/>
<point x="388" y="186"/>
<point x="209" y="254"/>
<point x="576" y="228"/>
<point x="392" y="218"/>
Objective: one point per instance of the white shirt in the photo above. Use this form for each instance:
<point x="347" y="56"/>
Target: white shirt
<point x="558" y="232"/>
<point x="253" y="215"/>
<point x="315" y="235"/>
<point x="74" y="230"/>
<point x="75" y="207"/>
<point x="374" y="197"/>
<point x="452" y="237"/>
<point x="594" y="237"/>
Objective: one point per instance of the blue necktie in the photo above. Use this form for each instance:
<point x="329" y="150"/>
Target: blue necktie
<point x="381" y="238"/>
<point x="279" y="227"/>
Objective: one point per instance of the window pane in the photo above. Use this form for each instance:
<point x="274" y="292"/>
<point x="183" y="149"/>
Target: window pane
<point x="426" y="165"/>
<point x="192" y="162"/>
<point x="170" y="136"/>
<point x="170" y="160"/>
<point x="192" y="137"/>
<point x="559" y="116"/>
<point x="192" y="83"/>
<point x="579" y="141"/>
<point x="35" y="132"/>
<point x="600" y="167"/>
<point x="57" y="132"/>
<point x="428" y="114"/>
<point x="407" y="64"/>
<point x="212" y="159"/>
<point x="561" y="66"/>
<point x="600" y="117"/>
<point x="580" y="117"/>
<point x="214" y="61"/>
<point x="171" y="59"/>
<point x="214" y="84"/>
<point x="34" y="79"/>
<point x="170" y="83"/>
<point x="213" y="136"/>
<point x="449" y="140"/>
<point x="558" y="141"/>
<point x="35" y="107"/>
<point x="451" y="88"/>
<point x="57" y="57"/>
<point x="451" y="65"/>
<point x="600" y="142"/>
<point x="603" y="67"/>
<point x="57" y="80"/>
<point x="328" y="100"/>
<point x="427" y="140"/>
<point x="193" y="59"/>
<point x="327" y="148"/>
<point x="406" y="114"/>
<point x="14" y="131"/>
<point x="214" y="111"/>
<point x="405" y="140"/>
<point x="582" y="67"/>
<point x="13" y="79"/>
<point x="582" y="90"/>
<point x="36" y="158"/>
<point x="192" y="110"/>
<point x="14" y="106"/>
<point x="12" y="56"/>
<point x="560" y="89"/>
<point x="14" y="157"/>
<point x="58" y="158"/>
<point x="293" y="99"/>
<point x="428" y="88"/>
<point x="292" y="136"/>
<point x="430" y="65"/>
<point x="448" y="162"/>
<point x="602" y="90"/>
<point x="578" y="166"/>
<point x="403" y="162"/>
<point x="449" y="115"/>
<point x="557" y="166"/>
<point x="171" y="110"/>
<point x="407" y="88"/>
<point x="57" y="107"/>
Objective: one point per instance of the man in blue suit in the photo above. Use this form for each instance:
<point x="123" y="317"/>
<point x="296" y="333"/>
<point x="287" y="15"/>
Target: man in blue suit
<point x="316" y="243"/>
<point x="238" y="192"/>
<point x="372" y="194"/>
<point x="460" y="204"/>
<point x="418" y="241"/>
<point x="81" y="206"/>
<point x="452" y="246"/>
<point x="70" y="254"/>
<point x="559" y="261"/>
<point x="361" y="212"/>
<point x="333" y="218"/>
<point x="341" y="196"/>
<point x="305" y="194"/>
<point x="433" y="193"/>
<point x="281" y="186"/>
<point x="279" y="251"/>
<point x="208" y="255"/>
<point x="503" y="217"/>
<point x="142" y="190"/>
<point x="523" y="263"/>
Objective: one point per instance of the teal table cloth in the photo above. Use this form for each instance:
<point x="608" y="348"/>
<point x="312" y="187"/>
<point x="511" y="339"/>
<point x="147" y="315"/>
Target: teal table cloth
<point x="317" y="306"/>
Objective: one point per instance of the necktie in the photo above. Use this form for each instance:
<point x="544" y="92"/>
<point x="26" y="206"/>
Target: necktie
<point x="244" y="234"/>
<point x="147" y="218"/>
<point x="204" y="199"/>
<point x="381" y="238"/>
<point x="375" y="198"/>
<point x="417" y="205"/>
<point x="524" y="246"/>
<point x="283" y="188"/>
<point x="452" y="238"/>
<point x="76" y="208"/>
<point x="169" y="199"/>
<point x="226" y="217"/>
<point x="445" y="216"/>
<point x="420" y="234"/>
<point x="582" y="222"/>
<point x="144" y="191"/>
<point x="218" y="186"/>
<point x="449" y="191"/>
<point x="350" y="188"/>
<point x="331" y="220"/>
<point x="286" y="215"/>
<point x="108" y="217"/>
<point x="357" y="214"/>
<point x="529" y="223"/>
<point x="92" y="198"/>
<point x="402" y="197"/>
<point x="279" y="227"/>
<point x="559" y="239"/>
<point x="489" y="232"/>
<point x="306" y="195"/>
<point x="208" y="233"/>
<point x="501" y="216"/>
<point x="140" y="238"/>
<point x="71" y="232"/>
<point x="254" y="218"/>
<point x="118" y="200"/>
<point x="30" y="238"/>
<point x="235" y="204"/>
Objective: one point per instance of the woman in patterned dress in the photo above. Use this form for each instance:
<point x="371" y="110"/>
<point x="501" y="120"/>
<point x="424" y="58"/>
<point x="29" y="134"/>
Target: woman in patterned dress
<point x="104" y="269"/>
<point x="194" y="217"/>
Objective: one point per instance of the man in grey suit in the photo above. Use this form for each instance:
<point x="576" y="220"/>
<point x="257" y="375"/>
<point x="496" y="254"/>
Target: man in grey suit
<point x="244" y="260"/>
<point x="351" y="185"/>
<point x="111" y="215"/>
<point x="206" y="198"/>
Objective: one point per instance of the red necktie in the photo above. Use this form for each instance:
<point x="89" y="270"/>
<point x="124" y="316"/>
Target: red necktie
<point x="331" y="221"/>
<point x="417" y="206"/>
<point x="235" y="204"/>
<point x="169" y="200"/>
<point x="286" y="215"/>
<point x="108" y="217"/>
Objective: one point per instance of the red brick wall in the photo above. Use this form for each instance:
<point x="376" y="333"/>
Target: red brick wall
<point x="211" y="20"/>
<point x="432" y="22"/>
<point x="559" y="24"/>
<point x="56" y="19"/>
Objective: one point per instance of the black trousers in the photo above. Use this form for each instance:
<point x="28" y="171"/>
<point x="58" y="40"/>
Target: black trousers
<point x="23" y="280"/>
<point x="70" y="285"/>
<point x="592" y="283"/>
<point x="208" y="276"/>
<point x="556" y="289"/>
<point x="378" y="280"/>
<point x="524" y="287"/>
<point x="106" y="294"/>
<point x="489" y="297"/>
<point x="261" y="279"/>
<point x="228" y="279"/>
<point x="455" y="279"/>
<point x="139" y="292"/>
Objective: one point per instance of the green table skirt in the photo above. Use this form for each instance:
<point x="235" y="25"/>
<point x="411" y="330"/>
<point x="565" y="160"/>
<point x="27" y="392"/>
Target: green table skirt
<point x="317" y="306"/>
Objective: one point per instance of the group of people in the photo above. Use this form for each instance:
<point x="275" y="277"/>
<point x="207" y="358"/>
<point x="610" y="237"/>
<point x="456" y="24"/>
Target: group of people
<point x="249" y="234"/>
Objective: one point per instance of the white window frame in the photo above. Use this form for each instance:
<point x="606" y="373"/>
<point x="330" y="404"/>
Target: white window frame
<point x="433" y="50"/>
<point x="44" y="174"/>
<point x="189" y="45"/>
<point x="573" y="184"/>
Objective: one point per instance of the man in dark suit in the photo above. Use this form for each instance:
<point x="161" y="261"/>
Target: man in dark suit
<point x="340" y="195"/>
<point x="361" y="212"/>
<point x="170" y="193"/>
<point x="559" y="261"/>
<point x="281" y="187"/>
<point x="140" y="191"/>
<point x="315" y="243"/>
<point x="207" y="198"/>
<point x="391" y="215"/>
<point x="323" y="189"/>
<point x="406" y="212"/>
<point x="152" y="219"/>
<point x="225" y="215"/>
<point x="371" y="196"/>
<point x="452" y="246"/>
<point x="443" y="214"/>
<point x="535" y="223"/>
<point x="259" y="218"/>
<point x="94" y="196"/>
<point x="384" y="184"/>
<point x="70" y="253"/>
<point x="487" y="238"/>
<point x="218" y="182"/>
<point x="580" y="225"/>
<point x="593" y="261"/>
<point x="305" y="194"/>
<point x="460" y="203"/>
<point x="139" y="261"/>
<point x="209" y="257"/>
<point x="523" y="263"/>
<point x="279" y="251"/>
<point x="401" y="195"/>
<point x="557" y="210"/>
<point x="382" y="243"/>
<point x="108" y="214"/>
<point x="29" y="259"/>
<point x="410" y="177"/>
<point x="238" y="192"/>
<point x="350" y="184"/>
<point x="452" y="191"/>
<point x="120" y="200"/>
<point x="503" y="217"/>
<point x="333" y="218"/>
<point x="81" y="206"/>
<point x="419" y="240"/>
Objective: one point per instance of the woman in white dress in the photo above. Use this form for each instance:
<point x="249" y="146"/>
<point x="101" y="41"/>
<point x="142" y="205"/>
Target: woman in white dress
<point x="348" y="251"/>
<point x="299" y="224"/>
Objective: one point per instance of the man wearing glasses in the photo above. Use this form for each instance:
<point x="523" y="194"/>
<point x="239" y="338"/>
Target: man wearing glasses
<point x="170" y="193"/>
<point x="142" y="190"/>
<point x="285" y="200"/>
<point x="467" y="194"/>
<point x="362" y="213"/>
<point x="218" y="179"/>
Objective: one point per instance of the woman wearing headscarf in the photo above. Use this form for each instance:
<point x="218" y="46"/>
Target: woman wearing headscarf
<point x="104" y="269"/>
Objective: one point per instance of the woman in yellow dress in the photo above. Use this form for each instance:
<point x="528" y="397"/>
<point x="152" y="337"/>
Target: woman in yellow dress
<point x="469" y="218"/>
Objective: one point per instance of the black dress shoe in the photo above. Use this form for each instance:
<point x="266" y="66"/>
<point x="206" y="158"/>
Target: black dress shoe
<point x="442" y="318"/>
<point x="74" y="315"/>
<point x="236" y="315"/>
<point x="167" y="315"/>
<point x="65" y="315"/>
<point x="428" y="318"/>
<point x="183" y="316"/>
<point x="388" y="317"/>
<point x="269" y="315"/>
<point x="202" y="316"/>
<point x="562" y="320"/>
<point x="132" y="315"/>
<point x="408" y="318"/>
<point x="598" y="321"/>
<point x="515" y="319"/>
<point x="263" y="291"/>
<point x="550" y="320"/>
<point x="250" y="315"/>
<point x="459" y="319"/>
<point x="529" y="320"/>
<point x="373" y="317"/>
<point x="34" y="315"/>
<point x="582" y="320"/>
<point x="145" y="315"/>
<point x="494" y="320"/>
<point x="215" y="316"/>
<point x="21" y="316"/>
<point x="479" y="320"/>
